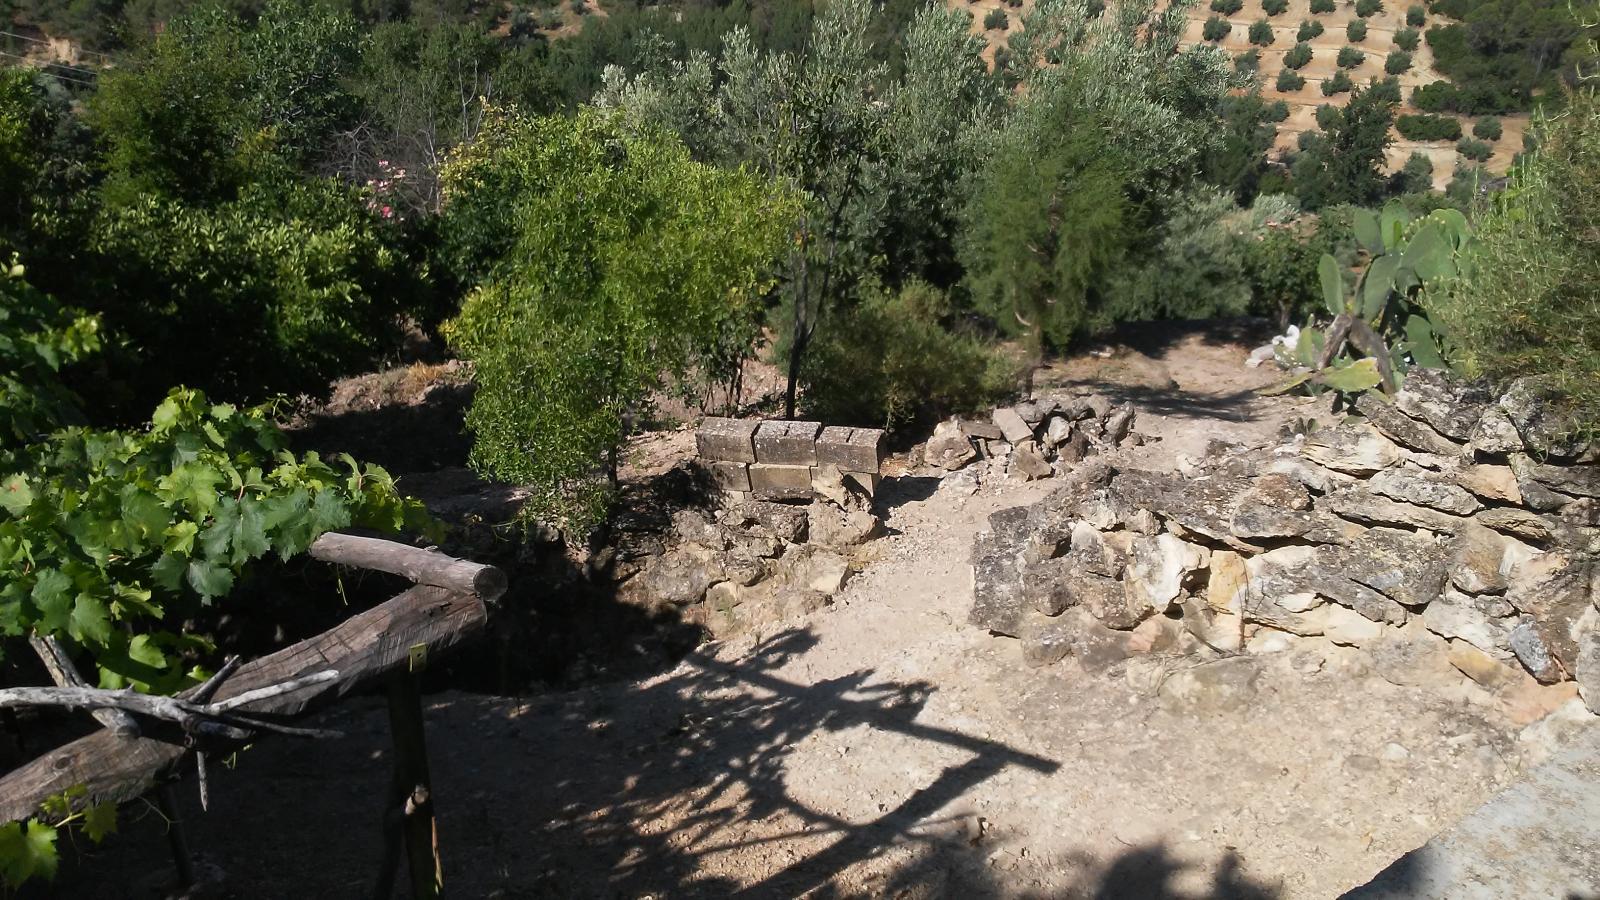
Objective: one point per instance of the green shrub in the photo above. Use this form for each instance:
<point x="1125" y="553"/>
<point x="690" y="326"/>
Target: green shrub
<point x="1488" y="129"/>
<point x="1275" y="112"/>
<point x="1356" y="31"/>
<point x="1396" y="62"/>
<point x="37" y="337"/>
<point x="1227" y="7"/>
<point x="1416" y="176"/>
<point x="1216" y="28"/>
<point x="1340" y="83"/>
<point x="1416" y="15"/>
<point x="1350" y="57"/>
<point x="1288" y="82"/>
<point x="1248" y="61"/>
<point x="1473" y="149"/>
<point x="1274" y="7"/>
<point x="891" y="360"/>
<point x="1428" y="128"/>
<point x="1328" y="116"/>
<point x="1309" y="30"/>
<point x="1297" y="57"/>
<point x="996" y="20"/>
<point x="1366" y="9"/>
<point x="1319" y="7"/>
<point x="1261" y="33"/>
<point x="1307" y="140"/>
<point x="1528" y="305"/>
<point x="1437" y="96"/>
<point x="1406" y="39"/>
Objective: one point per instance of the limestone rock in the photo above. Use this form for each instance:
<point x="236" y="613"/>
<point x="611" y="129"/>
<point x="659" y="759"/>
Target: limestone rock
<point x="1308" y="473"/>
<point x="1555" y="589"/>
<point x="1546" y="428"/>
<point x="1412" y="657"/>
<point x="1046" y="587"/>
<point x="1012" y="426"/>
<point x="1519" y="522"/>
<point x="741" y="570"/>
<point x="1226" y="580"/>
<point x="1535" y="494"/>
<point x="1534" y="653"/>
<point x="1452" y="408"/>
<point x="1027" y="463"/>
<point x="1277" y="506"/>
<point x="1034" y="411"/>
<point x="1495" y="434"/>
<point x="842" y="527"/>
<point x="1118" y="423"/>
<point x="1346" y="626"/>
<point x="1225" y="685"/>
<point x="1106" y="599"/>
<point x="1582" y="480"/>
<point x="1490" y="673"/>
<point x="779" y="520"/>
<point x="693" y="527"/>
<point x="1204" y="505"/>
<point x="1220" y="631"/>
<point x="1095" y="647"/>
<point x="1057" y="431"/>
<point x="1587" y="672"/>
<point x="1424" y="489"/>
<point x="1074" y="448"/>
<point x="1157" y="569"/>
<point x="1490" y="482"/>
<point x="983" y="431"/>
<point x="1401" y="428"/>
<point x="997" y="603"/>
<point x="1478" y="560"/>
<point x="1354" y="449"/>
<point x="822" y="571"/>
<point x="1046" y="641"/>
<point x="1357" y="503"/>
<point x="1408" y="567"/>
<point x="678" y="577"/>
<point x="949" y="448"/>
<point x="1457" y="616"/>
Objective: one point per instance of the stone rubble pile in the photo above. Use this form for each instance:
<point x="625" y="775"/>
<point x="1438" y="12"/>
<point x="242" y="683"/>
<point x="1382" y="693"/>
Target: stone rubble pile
<point x="1449" y="531"/>
<point x="1034" y="439"/>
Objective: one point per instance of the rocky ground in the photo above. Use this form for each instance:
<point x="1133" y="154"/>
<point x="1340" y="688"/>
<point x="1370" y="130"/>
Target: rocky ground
<point x="883" y="747"/>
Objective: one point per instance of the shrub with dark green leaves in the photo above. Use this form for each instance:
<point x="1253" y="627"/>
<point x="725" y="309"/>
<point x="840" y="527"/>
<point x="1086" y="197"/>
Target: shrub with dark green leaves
<point x="1274" y="7"/>
<point x="1366" y="9"/>
<point x="1437" y="96"/>
<point x="1340" y="83"/>
<point x="1289" y="82"/>
<point x="1319" y="7"/>
<point x="1396" y="62"/>
<point x="1328" y="116"/>
<point x="1416" y="176"/>
<point x="1275" y="112"/>
<point x="1248" y="61"/>
<point x="1227" y="7"/>
<point x="1474" y="149"/>
<point x="1350" y="57"/>
<point x="1488" y="129"/>
<point x="1428" y="128"/>
<point x="996" y="20"/>
<point x="1406" y="39"/>
<point x="1309" y="29"/>
<point x="1297" y="57"/>
<point x="1216" y="28"/>
<point x="1356" y="31"/>
<point x="1261" y="33"/>
<point x="1308" y="140"/>
<point x="1416" y="14"/>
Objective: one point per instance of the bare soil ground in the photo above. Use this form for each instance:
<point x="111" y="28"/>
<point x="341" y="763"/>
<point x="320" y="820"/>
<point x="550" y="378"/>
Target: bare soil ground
<point x="883" y="748"/>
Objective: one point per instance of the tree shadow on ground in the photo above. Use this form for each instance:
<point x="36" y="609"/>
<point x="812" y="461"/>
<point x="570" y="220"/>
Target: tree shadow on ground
<point x="1156" y="338"/>
<point x="687" y="785"/>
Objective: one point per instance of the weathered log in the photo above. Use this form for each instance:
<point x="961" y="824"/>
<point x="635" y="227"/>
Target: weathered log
<point x="65" y="674"/>
<point x="421" y="566"/>
<point x="176" y="710"/>
<point x="362" y="649"/>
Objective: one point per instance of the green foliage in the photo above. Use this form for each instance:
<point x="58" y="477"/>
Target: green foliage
<point x="1274" y="7"/>
<point x="1319" y="7"/>
<point x="1416" y="14"/>
<point x="1526" y="303"/>
<point x="996" y="20"/>
<point x="1407" y="39"/>
<point x="1248" y="62"/>
<point x="37" y="337"/>
<point x="1288" y="82"/>
<point x="1503" y="53"/>
<point x="1340" y="83"/>
<point x="1261" y="33"/>
<point x="1227" y="7"/>
<point x="1366" y="9"/>
<point x="616" y="262"/>
<point x="1329" y="116"/>
<point x="894" y="360"/>
<point x="1309" y="30"/>
<point x="1435" y="96"/>
<point x="1428" y="128"/>
<point x="1280" y="264"/>
<point x="1348" y="166"/>
<point x="1216" y="28"/>
<point x="1297" y="57"/>
<point x="1381" y="328"/>
<point x="1416" y="176"/>
<point x="1355" y="32"/>
<point x="1474" y="149"/>
<point x="1396" y="62"/>
<point x="1488" y="129"/>
<point x="1350" y="57"/>
<point x="1196" y="269"/>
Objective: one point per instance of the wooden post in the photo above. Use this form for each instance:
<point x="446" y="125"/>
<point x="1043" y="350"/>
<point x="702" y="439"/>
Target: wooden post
<point x="167" y="803"/>
<point x="413" y="790"/>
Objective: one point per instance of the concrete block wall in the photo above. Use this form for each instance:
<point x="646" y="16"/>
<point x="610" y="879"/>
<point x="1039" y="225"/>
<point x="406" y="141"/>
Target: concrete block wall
<point x="777" y="460"/>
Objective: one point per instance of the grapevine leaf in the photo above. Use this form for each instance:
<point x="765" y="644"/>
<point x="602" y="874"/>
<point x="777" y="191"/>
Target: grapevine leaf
<point x="100" y="820"/>
<point x="169" y="570"/>
<point x="51" y="594"/>
<point x="143" y="512"/>
<point x="238" y="526"/>
<point x="27" y="851"/>
<point x="15" y="494"/>
<point x="193" y="485"/>
<point x="208" y="579"/>
<point x="166" y="415"/>
<point x="91" y="621"/>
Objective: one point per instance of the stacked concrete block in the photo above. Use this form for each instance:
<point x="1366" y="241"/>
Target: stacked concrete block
<point x="777" y="460"/>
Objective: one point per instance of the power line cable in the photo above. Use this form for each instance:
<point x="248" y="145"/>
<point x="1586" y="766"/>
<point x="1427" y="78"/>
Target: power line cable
<point x="23" y="37"/>
<point x="33" y="64"/>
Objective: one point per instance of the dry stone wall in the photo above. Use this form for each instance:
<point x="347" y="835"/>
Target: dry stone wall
<point x="1452" y="530"/>
<point x="780" y="460"/>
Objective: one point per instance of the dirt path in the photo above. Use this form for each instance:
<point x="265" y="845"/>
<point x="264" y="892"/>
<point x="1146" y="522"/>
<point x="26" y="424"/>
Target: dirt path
<point x="884" y="748"/>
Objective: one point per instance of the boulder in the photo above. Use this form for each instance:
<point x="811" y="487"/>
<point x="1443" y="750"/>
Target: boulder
<point x="842" y="527"/>
<point x="1012" y="426"/>
<point x="1401" y="428"/>
<point x="1451" y="408"/>
<point x="678" y="577"/>
<point x="997" y="603"/>
<point x="1156" y="571"/>
<point x="1354" y="449"/>
<point x="1490" y="482"/>
<point x="1057" y="431"/>
<point x="1424" y="489"/>
<point x="949" y="448"/>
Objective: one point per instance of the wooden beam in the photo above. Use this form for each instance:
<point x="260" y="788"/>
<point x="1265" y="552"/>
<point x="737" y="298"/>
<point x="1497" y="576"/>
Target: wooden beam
<point x="421" y="566"/>
<point x="362" y="649"/>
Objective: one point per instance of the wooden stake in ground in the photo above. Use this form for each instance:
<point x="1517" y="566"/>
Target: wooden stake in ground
<point x="411" y="804"/>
